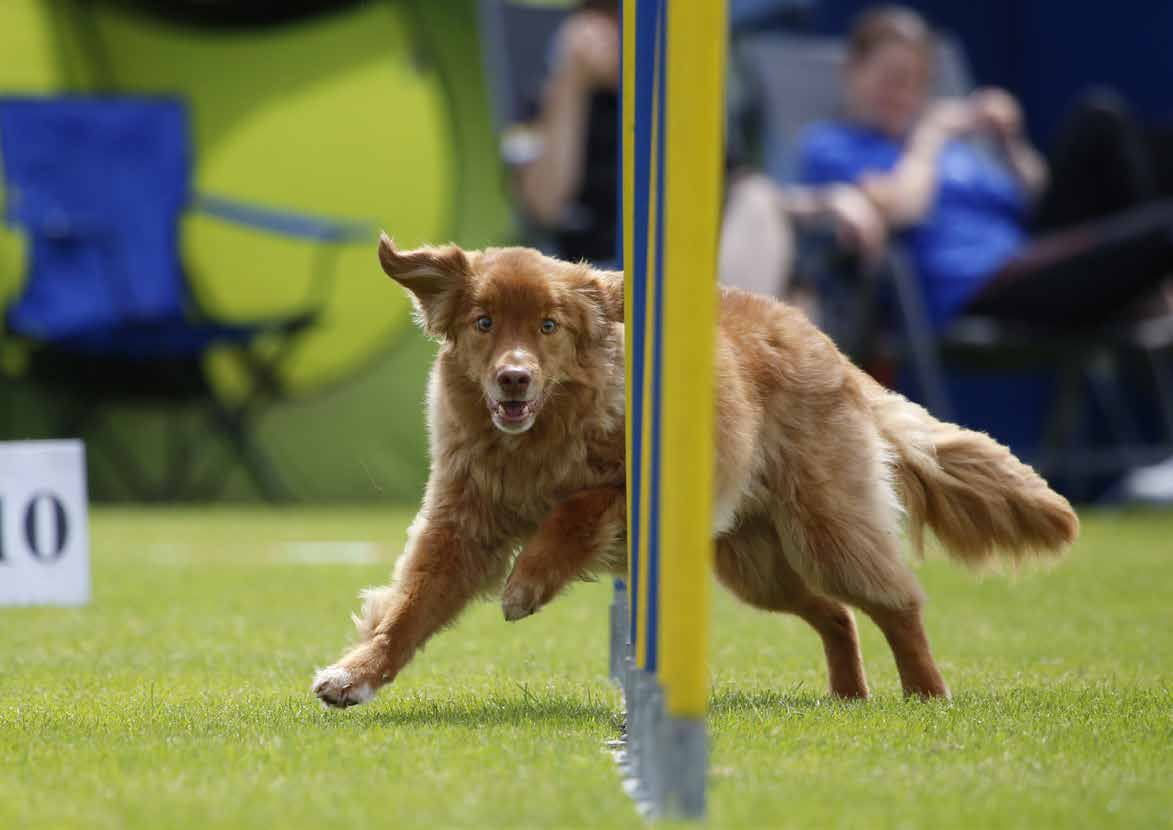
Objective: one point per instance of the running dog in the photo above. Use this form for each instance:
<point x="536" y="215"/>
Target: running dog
<point x="820" y="471"/>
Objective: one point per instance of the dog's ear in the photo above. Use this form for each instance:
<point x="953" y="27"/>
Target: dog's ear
<point x="605" y="288"/>
<point x="437" y="278"/>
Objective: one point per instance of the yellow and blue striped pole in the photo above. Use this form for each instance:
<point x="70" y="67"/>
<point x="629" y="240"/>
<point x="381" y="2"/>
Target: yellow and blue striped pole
<point x="694" y="122"/>
<point x="673" y="120"/>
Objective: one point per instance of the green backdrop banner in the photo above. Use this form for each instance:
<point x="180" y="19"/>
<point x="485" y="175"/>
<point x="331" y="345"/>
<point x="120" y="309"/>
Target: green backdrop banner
<point x="377" y="112"/>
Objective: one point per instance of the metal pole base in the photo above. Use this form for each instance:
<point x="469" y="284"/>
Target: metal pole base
<point x="683" y="759"/>
<point x="618" y="666"/>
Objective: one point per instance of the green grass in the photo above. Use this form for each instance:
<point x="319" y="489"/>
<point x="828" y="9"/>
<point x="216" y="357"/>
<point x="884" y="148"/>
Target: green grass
<point x="179" y="697"/>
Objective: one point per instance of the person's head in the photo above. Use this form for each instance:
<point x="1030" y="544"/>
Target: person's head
<point x="890" y="56"/>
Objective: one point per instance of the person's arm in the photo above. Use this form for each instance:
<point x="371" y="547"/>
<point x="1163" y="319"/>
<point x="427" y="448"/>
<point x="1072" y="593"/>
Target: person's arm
<point x="856" y="221"/>
<point x="998" y="112"/>
<point x="1028" y="166"/>
<point x="548" y="183"/>
<point x="904" y="194"/>
<point x="588" y="60"/>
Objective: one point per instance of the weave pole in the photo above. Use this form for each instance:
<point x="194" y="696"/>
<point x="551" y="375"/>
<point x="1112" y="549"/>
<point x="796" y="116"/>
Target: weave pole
<point x="673" y="126"/>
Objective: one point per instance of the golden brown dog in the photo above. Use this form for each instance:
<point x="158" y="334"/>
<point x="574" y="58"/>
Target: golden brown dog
<point x="819" y="469"/>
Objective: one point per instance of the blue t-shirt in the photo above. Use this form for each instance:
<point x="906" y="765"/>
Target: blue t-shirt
<point x="975" y="224"/>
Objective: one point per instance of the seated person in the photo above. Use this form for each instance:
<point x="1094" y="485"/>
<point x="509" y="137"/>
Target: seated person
<point x="991" y="230"/>
<point x="566" y="171"/>
<point x="567" y="180"/>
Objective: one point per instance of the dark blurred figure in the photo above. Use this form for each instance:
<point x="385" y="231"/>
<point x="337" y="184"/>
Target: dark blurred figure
<point x="567" y="162"/>
<point x="567" y="181"/>
<point x="993" y="229"/>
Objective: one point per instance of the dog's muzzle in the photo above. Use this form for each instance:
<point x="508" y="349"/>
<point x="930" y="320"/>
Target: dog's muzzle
<point x="514" y="412"/>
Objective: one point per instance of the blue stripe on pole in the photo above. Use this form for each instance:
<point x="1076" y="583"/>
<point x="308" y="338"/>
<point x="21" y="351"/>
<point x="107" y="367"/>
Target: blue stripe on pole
<point x="619" y="202"/>
<point x="653" y="575"/>
<point x="645" y="45"/>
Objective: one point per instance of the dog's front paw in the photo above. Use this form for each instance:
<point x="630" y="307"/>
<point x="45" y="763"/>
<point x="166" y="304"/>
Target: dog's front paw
<point x="520" y="600"/>
<point x="337" y="686"/>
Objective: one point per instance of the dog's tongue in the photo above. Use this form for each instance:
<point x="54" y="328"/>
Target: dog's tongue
<point x="513" y="409"/>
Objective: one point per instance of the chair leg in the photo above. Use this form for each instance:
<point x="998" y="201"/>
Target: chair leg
<point x="8" y="404"/>
<point x="1104" y="383"/>
<point x="1062" y="423"/>
<point x="1158" y="360"/>
<point x="88" y="418"/>
<point x="180" y="461"/>
<point x="233" y="424"/>
<point x="925" y="353"/>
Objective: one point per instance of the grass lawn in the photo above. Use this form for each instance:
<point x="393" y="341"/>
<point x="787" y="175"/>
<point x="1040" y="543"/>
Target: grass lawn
<point x="179" y="698"/>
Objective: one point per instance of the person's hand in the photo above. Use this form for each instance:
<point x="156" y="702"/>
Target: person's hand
<point x="858" y="223"/>
<point x="996" y="111"/>
<point x="951" y="117"/>
<point x="588" y="48"/>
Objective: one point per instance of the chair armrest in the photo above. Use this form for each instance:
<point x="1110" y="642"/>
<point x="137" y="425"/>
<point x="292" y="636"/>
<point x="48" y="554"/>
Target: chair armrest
<point x="284" y="222"/>
<point x="56" y="224"/>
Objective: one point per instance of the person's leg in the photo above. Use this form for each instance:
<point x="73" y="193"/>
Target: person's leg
<point x="1085" y="275"/>
<point x="1101" y="164"/>
<point x="757" y="242"/>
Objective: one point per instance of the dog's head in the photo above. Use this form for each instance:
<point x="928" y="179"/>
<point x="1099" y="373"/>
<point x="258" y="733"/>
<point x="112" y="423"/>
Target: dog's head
<point x="517" y="323"/>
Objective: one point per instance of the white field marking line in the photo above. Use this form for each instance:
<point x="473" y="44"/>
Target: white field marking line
<point x="349" y="552"/>
<point x="316" y="552"/>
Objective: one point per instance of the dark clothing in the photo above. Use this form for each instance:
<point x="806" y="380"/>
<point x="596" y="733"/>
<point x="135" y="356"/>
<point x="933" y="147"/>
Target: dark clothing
<point x="1105" y="241"/>
<point x="1101" y="164"/>
<point x="1085" y="275"/>
<point x="589" y="229"/>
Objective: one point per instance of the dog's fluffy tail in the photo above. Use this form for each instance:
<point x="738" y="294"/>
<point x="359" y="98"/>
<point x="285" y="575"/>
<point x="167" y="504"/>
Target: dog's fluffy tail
<point x="976" y="497"/>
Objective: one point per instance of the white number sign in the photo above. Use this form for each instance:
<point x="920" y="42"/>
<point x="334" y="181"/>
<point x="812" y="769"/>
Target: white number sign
<point x="44" y="529"/>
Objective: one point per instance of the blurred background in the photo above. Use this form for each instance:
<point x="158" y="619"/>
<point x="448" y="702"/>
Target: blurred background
<point x="192" y="189"/>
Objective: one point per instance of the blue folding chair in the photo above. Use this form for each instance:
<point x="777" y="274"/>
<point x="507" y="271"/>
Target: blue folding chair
<point x="97" y="186"/>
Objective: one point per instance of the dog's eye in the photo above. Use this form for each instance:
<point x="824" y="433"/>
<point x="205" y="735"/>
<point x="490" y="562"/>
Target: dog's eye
<point x="549" y="326"/>
<point x="484" y="323"/>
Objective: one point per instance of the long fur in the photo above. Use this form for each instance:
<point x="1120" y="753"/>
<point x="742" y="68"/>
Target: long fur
<point x="975" y="496"/>
<point x="818" y="470"/>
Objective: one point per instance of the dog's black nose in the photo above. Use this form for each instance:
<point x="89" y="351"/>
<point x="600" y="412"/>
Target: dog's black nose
<point x="514" y="380"/>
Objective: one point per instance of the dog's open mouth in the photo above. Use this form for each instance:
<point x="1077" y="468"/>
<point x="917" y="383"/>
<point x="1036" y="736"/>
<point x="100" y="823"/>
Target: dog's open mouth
<point x="514" y="416"/>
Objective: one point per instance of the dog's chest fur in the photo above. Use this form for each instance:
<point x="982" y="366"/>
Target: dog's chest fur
<point x="511" y="482"/>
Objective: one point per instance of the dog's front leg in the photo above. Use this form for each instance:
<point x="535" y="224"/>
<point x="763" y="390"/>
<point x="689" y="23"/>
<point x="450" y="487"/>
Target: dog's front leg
<point x="567" y="543"/>
<point x="439" y="575"/>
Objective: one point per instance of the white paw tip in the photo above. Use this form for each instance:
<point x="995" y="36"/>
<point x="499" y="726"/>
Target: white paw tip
<point x="335" y="676"/>
<point x="335" y="687"/>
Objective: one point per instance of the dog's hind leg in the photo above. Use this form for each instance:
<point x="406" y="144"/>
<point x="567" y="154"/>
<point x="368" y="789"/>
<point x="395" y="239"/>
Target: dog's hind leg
<point x="750" y="563"/>
<point x="843" y="535"/>
<point x="905" y="632"/>
<point x="568" y="543"/>
<point x="863" y="566"/>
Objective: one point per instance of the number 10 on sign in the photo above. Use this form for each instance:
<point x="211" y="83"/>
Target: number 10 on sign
<point x="44" y="537"/>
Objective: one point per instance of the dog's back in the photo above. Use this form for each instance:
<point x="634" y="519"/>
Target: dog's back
<point x="815" y="418"/>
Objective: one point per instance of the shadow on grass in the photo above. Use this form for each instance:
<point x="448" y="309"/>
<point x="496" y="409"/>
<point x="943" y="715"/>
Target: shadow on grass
<point x="571" y="709"/>
<point x="734" y="701"/>
<point x="588" y="712"/>
<point x="585" y="711"/>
